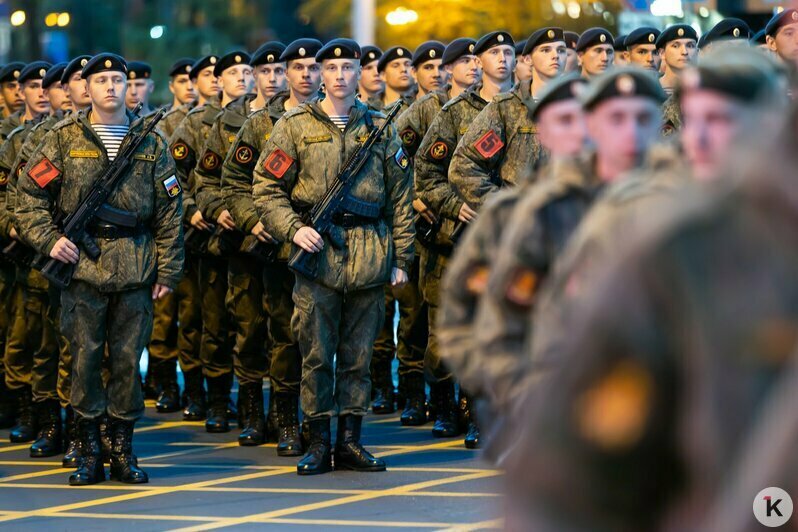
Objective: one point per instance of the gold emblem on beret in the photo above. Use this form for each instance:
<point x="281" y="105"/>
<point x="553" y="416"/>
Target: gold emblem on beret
<point x="132" y="74"/>
<point x="270" y="58"/>
<point x="16" y="74"/>
<point x="470" y="47"/>
<point x="237" y="59"/>
<point x="650" y="37"/>
<point x="188" y="69"/>
<point x="108" y="63"/>
<point x="337" y="52"/>
<point x="432" y="54"/>
<point x="625" y="84"/>
<point x="83" y="62"/>
<point x="42" y="72"/>
<point x="302" y="52"/>
<point x="550" y="34"/>
<point x="371" y="55"/>
<point x="736" y="32"/>
<point x="500" y="38"/>
<point x="603" y="38"/>
<point x="213" y="60"/>
<point x="400" y="52"/>
<point x="680" y="32"/>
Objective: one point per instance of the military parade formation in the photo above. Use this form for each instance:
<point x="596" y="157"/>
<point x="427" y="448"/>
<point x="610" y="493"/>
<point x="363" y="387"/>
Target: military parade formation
<point x="587" y="241"/>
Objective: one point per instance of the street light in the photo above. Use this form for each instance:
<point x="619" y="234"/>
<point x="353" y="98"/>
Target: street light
<point x="401" y="16"/>
<point x="156" y="32"/>
<point x="63" y="19"/>
<point x="51" y="20"/>
<point x="18" y="18"/>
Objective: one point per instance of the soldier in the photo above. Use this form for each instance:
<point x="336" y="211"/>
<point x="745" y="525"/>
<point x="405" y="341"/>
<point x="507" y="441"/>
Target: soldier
<point x="15" y="106"/>
<point x="780" y="35"/>
<point x="677" y="46"/>
<point x="728" y="30"/>
<point x="427" y="70"/>
<point x="523" y="71"/>
<point x="185" y="95"/>
<point x="74" y="85"/>
<point x="139" y="87"/>
<point x="285" y="364"/>
<point x="371" y="86"/>
<point x="269" y="73"/>
<point x="596" y="52"/>
<point x="545" y="52"/>
<point x="621" y="55"/>
<point x="394" y="69"/>
<point x="108" y="304"/>
<point x="55" y="91"/>
<point x="572" y="59"/>
<point x="642" y="48"/>
<point x="340" y="311"/>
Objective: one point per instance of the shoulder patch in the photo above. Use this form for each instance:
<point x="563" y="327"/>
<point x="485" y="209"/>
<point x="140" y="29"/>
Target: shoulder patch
<point x="408" y="136"/>
<point x="522" y="288"/>
<point x="180" y="150"/>
<point x="489" y="144"/>
<point x="244" y="154"/>
<point x="439" y="150"/>
<point x="3" y="177"/>
<point x="21" y="167"/>
<point x="277" y="163"/>
<point x="477" y="279"/>
<point x="210" y="161"/>
<point x="402" y="159"/>
<point x="44" y="172"/>
<point x="172" y="186"/>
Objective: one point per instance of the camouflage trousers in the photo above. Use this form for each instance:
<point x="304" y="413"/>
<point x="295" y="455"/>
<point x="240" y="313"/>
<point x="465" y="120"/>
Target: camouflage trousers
<point x="433" y="266"/>
<point x="336" y="334"/>
<point x="218" y="338"/>
<point x="245" y="304"/>
<point x="120" y="322"/>
<point x="7" y="303"/>
<point x="285" y="366"/>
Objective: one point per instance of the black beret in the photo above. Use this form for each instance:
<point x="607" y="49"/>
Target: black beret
<point x="594" y="37"/>
<point x="428" y="51"/>
<point x="391" y="54"/>
<point x="181" y="66"/>
<point x="54" y="74"/>
<point x="138" y="70"/>
<point x="268" y="53"/>
<point x="104" y="62"/>
<point x="76" y="65"/>
<point x="201" y="64"/>
<point x="11" y="71"/>
<point x="788" y="16"/>
<point x="622" y="82"/>
<point x="728" y="29"/>
<point x="35" y="70"/>
<point x="642" y="35"/>
<point x="228" y="60"/>
<point x="495" y="38"/>
<point x="519" y="48"/>
<point x="759" y="37"/>
<point x="571" y="38"/>
<point x="742" y="74"/>
<point x="339" y="49"/>
<point x="369" y="53"/>
<point x="566" y="87"/>
<point x="457" y="49"/>
<point x="676" y="31"/>
<point x="301" y="49"/>
<point x="619" y="44"/>
<point x="702" y="41"/>
<point x="543" y="36"/>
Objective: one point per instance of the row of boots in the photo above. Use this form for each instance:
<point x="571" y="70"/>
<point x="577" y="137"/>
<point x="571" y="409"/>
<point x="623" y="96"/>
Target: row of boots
<point x="348" y="454"/>
<point x="106" y="440"/>
<point x="412" y="399"/>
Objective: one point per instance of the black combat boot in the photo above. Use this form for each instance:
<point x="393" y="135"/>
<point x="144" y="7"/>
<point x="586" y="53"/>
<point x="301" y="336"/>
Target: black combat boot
<point x="272" y="424"/>
<point x="90" y="464"/>
<point x="218" y="398"/>
<point x="169" y="397"/>
<point x="50" y="437"/>
<point x="72" y="451"/>
<point x="415" y="410"/>
<point x="446" y="425"/>
<point x="7" y="406"/>
<point x="194" y="396"/>
<point x="149" y="386"/>
<point x="290" y="441"/>
<point x="26" y="428"/>
<point x="106" y="437"/>
<point x="383" y="400"/>
<point x="318" y="459"/>
<point x="124" y="466"/>
<point x="253" y="428"/>
<point x="469" y="420"/>
<point x="349" y="454"/>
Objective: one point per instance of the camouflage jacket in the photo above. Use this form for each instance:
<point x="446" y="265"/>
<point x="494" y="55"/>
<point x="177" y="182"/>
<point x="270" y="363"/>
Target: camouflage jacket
<point x="10" y="124"/>
<point x="239" y="164"/>
<point x="9" y="173"/>
<point x="208" y="172"/>
<point x="414" y="122"/>
<point x="500" y="147"/>
<point x="61" y="172"/>
<point x="186" y="143"/>
<point x="172" y="119"/>
<point x="671" y="116"/>
<point x="378" y="103"/>
<point x="300" y="161"/>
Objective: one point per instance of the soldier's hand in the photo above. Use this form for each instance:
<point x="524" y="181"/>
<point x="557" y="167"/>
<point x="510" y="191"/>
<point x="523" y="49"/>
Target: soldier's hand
<point x="65" y="251"/>
<point x="424" y="211"/>
<point x="308" y="239"/>
<point x="159" y="291"/>
<point x="198" y="222"/>
<point x="260" y="232"/>
<point x="226" y="220"/>
<point x="399" y="277"/>
<point x="13" y="234"/>
<point x="467" y="214"/>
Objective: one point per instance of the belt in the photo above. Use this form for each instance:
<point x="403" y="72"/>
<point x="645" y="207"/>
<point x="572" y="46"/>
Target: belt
<point x="114" y="232"/>
<point x="349" y="220"/>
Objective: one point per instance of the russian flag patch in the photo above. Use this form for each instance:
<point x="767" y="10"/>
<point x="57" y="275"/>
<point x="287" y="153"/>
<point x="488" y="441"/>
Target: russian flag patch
<point x="172" y="187"/>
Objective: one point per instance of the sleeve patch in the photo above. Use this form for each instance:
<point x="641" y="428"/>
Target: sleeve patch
<point x="277" y="163"/>
<point x="522" y="288"/>
<point x="477" y="279"/>
<point x="172" y="187"/>
<point x="489" y="144"/>
<point x="244" y="154"/>
<point x="210" y="161"/>
<point x="44" y="172"/>
<point x="402" y="159"/>
<point x="439" y="150"/>
<point x="21" y="168"/>
<point x="3" y="178"/>
<point x="180" y="150"/>
<point x="408" y="136"/>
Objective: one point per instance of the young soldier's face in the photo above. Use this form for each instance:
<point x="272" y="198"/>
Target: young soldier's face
<point x="370" y="79"/>
<point x="340" y="77"/>
<point x="12" y="96"/>
<point x="498" y="63"/>
<point x="785" y="43"/>
<point x="183" y="89"/>
<point x="523" y="68"/>
<point x="620" y="58"/>
<point x="644" y="56"/>
<point x="34" y="97"/>
<point x="138" y="90"/>
<point x="57" y="97"/>
<point x="397" y="75"/>
<point x="270" y="79"/>
<point x="107" y="90"/>
<point x="206" y="83"/>
<point x="465" y="70"/>
<point x="430" y="75"/>
<point x="78" y="91"/>
<point x="571" y="60"/>
<point x="548" y="59"/>
<point x="679" y="53"/>
<point x="623" y="128"/>
<point x="561" y="128"/>
<point x="304" y="76"/>
<point x="236" y="80"/>
<point x="597" y="59"/>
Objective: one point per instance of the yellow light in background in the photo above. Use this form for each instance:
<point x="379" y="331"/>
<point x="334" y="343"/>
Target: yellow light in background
<point x="574" y="9"/>
<point x="18" y="18"/>
<point x="401" y="16"/>
<point x="63" y="19"/>
<point x="51" y="19"/>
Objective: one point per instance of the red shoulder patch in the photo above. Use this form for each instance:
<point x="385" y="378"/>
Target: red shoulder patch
<point x="489" y="144"/>
<point x="277" y="163"/>
<point x="44" y="172"/>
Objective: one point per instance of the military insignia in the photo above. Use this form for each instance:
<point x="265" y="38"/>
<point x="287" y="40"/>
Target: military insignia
<point x="44" y="172"/>
<point x="172" y="187"/>
<point x="21" y="168"/>
<point x="470" y="47"/>
<point x="402" y="159"/>
<point x="302" y="52"/>
<point x="400" y="52"/>
<point x="42" y="72"/>
<point x="270" y="58"/>
<point x="132" y="75"/>
<point x="680" y="32"/>
<point x="84" y="154"/>
<point x="83" y="62"/>
<point x="432" y="54"/>
<point x="522" y="288"/>
<point x="3" y="178"/>
<point x="108" y="63"/>
<point x="667" y="129"/>
<point x="237" y="59"/>
<point x="408" y="137"/>
<point x="477" y="280"/>
<point x="650" y="37"/>
<point x="603" y="38"/>
<point x="213" y="60"/>
<point x="149" y="157"/>
<point x="337" y="52"/>
<point x="243" y="155"/>
<point x="278" y="163"/>
<point x="489" y="144"/>
<point x="736" y="32"/>
<point x="625" y="84"/>
<point x="180" y="151"/>
<point x="317" y="139"/>
<point x="210" y="161"/>
<point x="550" y="34"/>
<point x="439" y="150"/>
<point x="16" y="74"/>
<point x="500" y="38"/>
<point x="527" y="130"/>
<point x="371" y="55"/>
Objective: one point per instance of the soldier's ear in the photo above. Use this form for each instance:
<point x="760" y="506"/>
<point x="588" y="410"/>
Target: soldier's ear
<point x="771" y="42"/>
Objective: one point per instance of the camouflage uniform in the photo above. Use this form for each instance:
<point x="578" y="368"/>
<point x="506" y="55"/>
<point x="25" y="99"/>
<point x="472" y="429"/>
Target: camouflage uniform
<point x="174" y="117"/>
<point x="11" y="123"/>
<point x="671" y="116"/>
<point x="340" y="312"/>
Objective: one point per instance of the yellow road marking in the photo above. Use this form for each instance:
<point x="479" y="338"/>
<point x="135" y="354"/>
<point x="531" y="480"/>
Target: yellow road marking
<point x="35" y="474"/>
<point x="392" y="419"/>
<point x="169" y="425"/>
<point x="14" y="448"/>
<point x="493" y="524"/>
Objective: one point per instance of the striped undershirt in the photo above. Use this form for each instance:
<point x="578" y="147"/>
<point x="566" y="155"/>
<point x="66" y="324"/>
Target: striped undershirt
<point x="340" y="121"/>
<point x="111" y="136"/>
